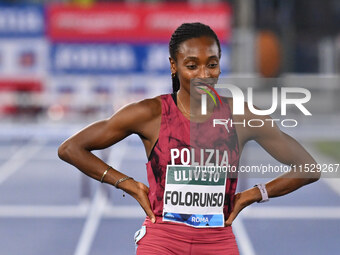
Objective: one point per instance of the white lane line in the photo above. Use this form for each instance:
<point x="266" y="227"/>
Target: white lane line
<point x="242" y="237"/>
<point x="91" y="224"/>
<point x="69" y="211"/>
<point x="293" y="212"/>
<point x="19" y="158"/>
<point x="124" y="212"/>
<point x="43" y="211"/>
<point x="98" y="205"/>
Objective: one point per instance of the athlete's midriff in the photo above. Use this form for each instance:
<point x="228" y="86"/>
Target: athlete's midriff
<point x="182" y="142"/>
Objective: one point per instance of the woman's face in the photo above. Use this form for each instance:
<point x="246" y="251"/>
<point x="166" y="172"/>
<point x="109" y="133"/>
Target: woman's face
<point x="196" y="58"/>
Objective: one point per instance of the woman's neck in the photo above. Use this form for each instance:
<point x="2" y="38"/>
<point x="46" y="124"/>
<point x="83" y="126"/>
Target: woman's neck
<point x="191" y="106"/>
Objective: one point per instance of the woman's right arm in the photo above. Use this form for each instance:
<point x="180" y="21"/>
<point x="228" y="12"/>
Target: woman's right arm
<point x="134" y="118"/>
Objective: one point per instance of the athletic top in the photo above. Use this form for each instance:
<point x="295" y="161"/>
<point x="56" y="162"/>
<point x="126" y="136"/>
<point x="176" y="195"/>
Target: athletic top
<point x="177" y="132"/>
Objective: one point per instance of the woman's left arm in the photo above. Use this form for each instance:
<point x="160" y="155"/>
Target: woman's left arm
<point x="286" y="150"/>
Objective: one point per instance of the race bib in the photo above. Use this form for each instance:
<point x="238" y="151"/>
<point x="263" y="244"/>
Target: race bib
<point x="194" y="196"/>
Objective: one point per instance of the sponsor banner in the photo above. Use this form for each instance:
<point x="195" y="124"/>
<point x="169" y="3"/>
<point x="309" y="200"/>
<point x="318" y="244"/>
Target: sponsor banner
<point x="73" y="58"/>
<point x="24" y="56"/>
<point x="21" y="21"/>
<point x="194" y="197"/>
<point x="33" y="85"/>
<point x="133" y="22"/>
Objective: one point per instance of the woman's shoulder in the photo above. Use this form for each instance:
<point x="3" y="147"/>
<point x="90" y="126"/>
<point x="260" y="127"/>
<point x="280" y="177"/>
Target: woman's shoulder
<point x="146" y="108"/>
<point x="152" y="105"/>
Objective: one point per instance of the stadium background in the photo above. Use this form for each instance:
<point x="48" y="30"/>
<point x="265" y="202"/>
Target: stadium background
<point x="65" y="64"/>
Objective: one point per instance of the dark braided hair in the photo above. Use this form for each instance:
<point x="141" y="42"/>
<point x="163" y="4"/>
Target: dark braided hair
<point x="185" y="32"/>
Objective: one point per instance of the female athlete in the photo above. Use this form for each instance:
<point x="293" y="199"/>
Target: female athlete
<point x="186" y="211"/>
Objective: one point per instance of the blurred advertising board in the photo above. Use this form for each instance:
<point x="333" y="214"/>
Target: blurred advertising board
<point x="104" y="58"/>
<point x="132" y="22"/>
<point x="125" y="38"/>
<point x="21" y="21"/>
<point x="23" y="57"/>
<point x="23" y="47"/>
<point x="67" y="46"/>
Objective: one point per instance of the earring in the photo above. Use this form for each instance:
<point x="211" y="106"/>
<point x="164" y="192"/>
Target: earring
<point x="173" y="75"/>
